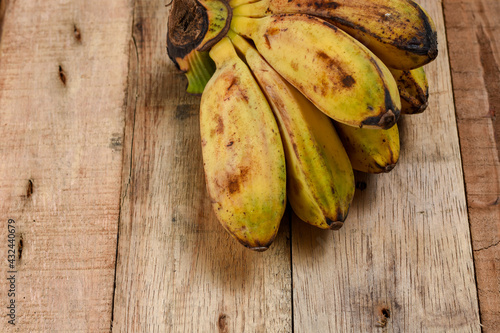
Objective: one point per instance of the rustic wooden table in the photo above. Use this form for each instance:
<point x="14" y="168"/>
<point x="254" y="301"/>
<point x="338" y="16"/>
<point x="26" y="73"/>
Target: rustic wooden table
<point x="101" y="177"/>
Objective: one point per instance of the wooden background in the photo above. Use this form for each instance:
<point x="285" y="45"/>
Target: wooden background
<point x="100" y="167"/>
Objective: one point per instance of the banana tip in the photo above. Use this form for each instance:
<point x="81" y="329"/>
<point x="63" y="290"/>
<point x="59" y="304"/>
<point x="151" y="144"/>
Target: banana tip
<point x="337" y="224"/>
<point x="388" y="119"/>
<point x="389" y="167"/>
<point x="384" y="121"/>
<point x="433" y="49"/>
<point x="423" y="107"/>
<point x="258" y="248"/>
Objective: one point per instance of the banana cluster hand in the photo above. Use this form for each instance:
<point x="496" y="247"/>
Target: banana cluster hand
<point x="319" y="84"/>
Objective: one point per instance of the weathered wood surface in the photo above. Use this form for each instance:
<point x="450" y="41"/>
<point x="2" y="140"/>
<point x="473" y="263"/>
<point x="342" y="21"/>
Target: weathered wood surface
<point x="72" y="71"/>
<point x="403" y="260"/>
<point x="63" y="69"/>
<point x="178" y="270"/>
<point x="473" y="29"/>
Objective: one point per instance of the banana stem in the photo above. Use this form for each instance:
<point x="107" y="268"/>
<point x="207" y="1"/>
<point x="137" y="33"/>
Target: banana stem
<point x="245" y="26"/>
<point x="253" y="9"/>
<point x="222" y="52"/>
<point x="200" y="69"/>
<point x="236" y="3"/>
<point x="239" y="42"/>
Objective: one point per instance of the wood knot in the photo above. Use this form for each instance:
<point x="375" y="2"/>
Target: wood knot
<point x="29" y="189"/>
<point x="20" y="247"/>
<point x="77" y="34"/>
<point x="361" y="185"/>
<point x="62" y="75"/>
<point x="385" y="314"/>
<point x="222" y="323"/>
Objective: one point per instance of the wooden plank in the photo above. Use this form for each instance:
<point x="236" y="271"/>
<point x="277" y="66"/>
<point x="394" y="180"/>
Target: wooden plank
<point x="177" y="269"/>
<point x="474" y="44"/>
<point x="403" y="260"/>
<point x="62" y="86"/>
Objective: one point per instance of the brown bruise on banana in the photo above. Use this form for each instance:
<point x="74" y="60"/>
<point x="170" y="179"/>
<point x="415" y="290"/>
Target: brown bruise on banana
<point x="241" y="151"/>
<point x="413" y="90"/>
<point x="335" y="66"/>
<point x="423" y="42"/>
<point x="229" y="183"/>
<point x="411" y="104"/>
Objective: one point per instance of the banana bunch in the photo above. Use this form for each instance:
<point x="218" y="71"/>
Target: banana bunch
<point x="296" y="94"/>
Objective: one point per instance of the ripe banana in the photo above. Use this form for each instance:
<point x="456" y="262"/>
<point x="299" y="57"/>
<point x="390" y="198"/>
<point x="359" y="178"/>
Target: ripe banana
<point x="334" y="71"/>
<point x="320" y="180"/>
<point x="370" y="150"/>
<point x="413" y="90"/>
<point x="322" y="67"/>
<point x="399" y="32"/>
<point x="243" y="154"/>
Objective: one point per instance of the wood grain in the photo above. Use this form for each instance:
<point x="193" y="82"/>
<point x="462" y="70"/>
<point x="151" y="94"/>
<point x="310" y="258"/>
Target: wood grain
<point x="74" y="74"/>
<point x="473" y="31"/>
<point x="177" y="268"/>
<point x="403" y="260"/>
<point x="63" y="68"/>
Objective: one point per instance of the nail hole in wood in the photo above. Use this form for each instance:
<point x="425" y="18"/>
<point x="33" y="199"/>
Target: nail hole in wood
<point x="361" y="185"/>
<point x="386" y="313"/>
<point x="138" y="27"/>
<point x="20" y="247"/>
<point x="222" y="323"/>
<point x="62" y="75"/>
<point x="29" y="189"/>
<point x="77" y="34"/>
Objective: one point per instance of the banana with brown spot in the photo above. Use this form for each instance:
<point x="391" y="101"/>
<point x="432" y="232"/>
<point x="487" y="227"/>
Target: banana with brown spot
<point x="413" y="89"/>
<point x="333" y="70"/>
<point x="370" y="150"/>
<point x="320" y="180"/>
<point x="399" y="32"/>
<point x="243" y="154"/>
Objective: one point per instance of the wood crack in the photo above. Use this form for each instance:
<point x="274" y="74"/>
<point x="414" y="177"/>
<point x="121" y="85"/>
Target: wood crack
<point x="133" y="125"/>
<point x="3" y="10"/>
<point x="491" y="75"/>
<point x="132" y="73"/>
<point x="487" y="247"/>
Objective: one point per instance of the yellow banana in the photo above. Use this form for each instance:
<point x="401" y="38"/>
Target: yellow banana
<point x="243" y="154"/>
<point x="370" y="150"/>
<point x="320" y="180"/>
<point x="338" y="74"/>
<point x="413" y="90"/>
<point x="399" y="32"/>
